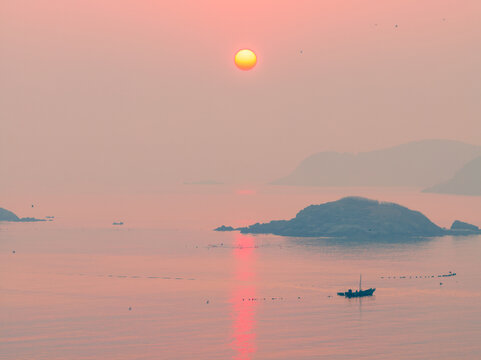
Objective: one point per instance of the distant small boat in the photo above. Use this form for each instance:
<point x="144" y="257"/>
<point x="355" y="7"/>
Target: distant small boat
<point x="358" y="293"/>
<point x="448" y="275"/>
<point x="118" y="223"/>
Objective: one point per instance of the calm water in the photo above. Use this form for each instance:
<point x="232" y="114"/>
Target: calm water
<point x="165" y="286"/>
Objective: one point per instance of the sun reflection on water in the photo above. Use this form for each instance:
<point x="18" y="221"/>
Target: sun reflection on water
<point x="243" y="305"/>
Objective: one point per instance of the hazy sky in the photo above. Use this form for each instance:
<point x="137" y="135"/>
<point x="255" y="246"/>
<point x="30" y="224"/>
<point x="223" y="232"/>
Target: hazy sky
<point x="136" y="94"/>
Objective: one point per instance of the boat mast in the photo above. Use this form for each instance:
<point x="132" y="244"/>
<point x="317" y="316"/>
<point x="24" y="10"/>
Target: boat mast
<point x="360" y="280"/>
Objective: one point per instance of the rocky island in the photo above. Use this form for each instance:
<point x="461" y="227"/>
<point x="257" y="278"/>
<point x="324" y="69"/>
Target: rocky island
<point x="356" y="217"/>
<point x="463" y="226"/>
<point x="7" y="215"/>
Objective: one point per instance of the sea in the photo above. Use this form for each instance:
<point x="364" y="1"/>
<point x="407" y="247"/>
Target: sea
<point x="164" y="285"/>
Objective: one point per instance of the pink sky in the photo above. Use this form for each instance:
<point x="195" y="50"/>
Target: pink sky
<point x="140" y="93"/>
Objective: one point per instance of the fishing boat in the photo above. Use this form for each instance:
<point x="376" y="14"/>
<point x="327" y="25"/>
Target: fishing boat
<point x="358" y="293"/>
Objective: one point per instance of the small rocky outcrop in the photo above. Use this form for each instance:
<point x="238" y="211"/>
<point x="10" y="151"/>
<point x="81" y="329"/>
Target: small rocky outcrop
<point x="464" y="226"/>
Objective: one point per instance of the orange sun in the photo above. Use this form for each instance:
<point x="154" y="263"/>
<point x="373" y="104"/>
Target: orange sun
<point x="245" y="59"/>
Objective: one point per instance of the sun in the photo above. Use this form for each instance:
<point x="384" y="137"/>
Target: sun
<point x="245" y="59"/>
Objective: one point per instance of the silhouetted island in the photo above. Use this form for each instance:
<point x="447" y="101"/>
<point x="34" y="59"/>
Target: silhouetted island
<point x="355" y="217"/>
<point x="7" y="215"/>
<point x="225" y="228"/>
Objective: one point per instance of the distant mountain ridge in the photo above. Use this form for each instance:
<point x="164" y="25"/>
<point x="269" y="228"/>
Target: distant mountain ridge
<point x="467" y="181"/>
<point x="414" y="164"/>
<point x="357" y="217"/>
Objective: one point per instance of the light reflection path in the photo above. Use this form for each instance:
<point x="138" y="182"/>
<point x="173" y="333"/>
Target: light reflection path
<point x="243" y="309"/>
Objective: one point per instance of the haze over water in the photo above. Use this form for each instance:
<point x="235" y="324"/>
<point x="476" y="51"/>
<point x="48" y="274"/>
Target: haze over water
<point x="106" y="106"/>
<point x="67" y="290"/>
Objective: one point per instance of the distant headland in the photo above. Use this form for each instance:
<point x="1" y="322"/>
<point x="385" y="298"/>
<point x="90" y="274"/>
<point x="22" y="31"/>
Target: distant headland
<point x="416" y="164"/>
<point x="203" y="182"/>
<point x="467" y="181"/>
<point x="7" y="215"/>
<point x="356" y="217"/>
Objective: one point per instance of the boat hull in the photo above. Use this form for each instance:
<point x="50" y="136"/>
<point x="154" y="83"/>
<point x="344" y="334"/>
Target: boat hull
<point x="357" y="293"/>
